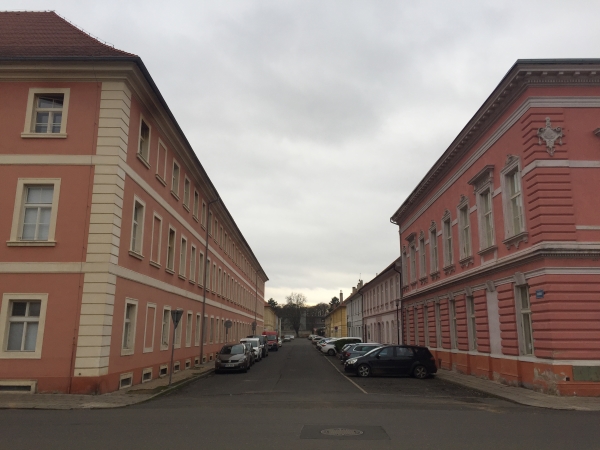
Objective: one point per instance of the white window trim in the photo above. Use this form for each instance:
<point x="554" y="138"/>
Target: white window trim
<point x="186" y="203"/>
<point x="178" y="332"/>
<point x="173" y="192"/>
<point x="464" y="205"/>
<point x="448" y="258"/>
<point x="482" y="182"/>
<point x="510" y="237"/>
<point x="196" y="211"/>
<point x="163" y="346"/>
<point x="155" y="259"/>
<point x="136" y="199"/>
<point x="129" y="351"/>
<point x="144" y="372"/>
<point x="189" y="328"/>
<point x="6" y="299"/>
<point x="198" y="330"/>
<point x="17" y="221"/>
<point x="203" y="214"/>
<point x="434" y="260"/>
<point x="438" y="324"/>
<point x="472" y="331"/>
<point x="520" y="283"/>
<point x="453" y="323"/>
<point x="161" y="177"/>
<point x="125" y="376"/>
<point x="167" y="268"/>
<point x="27" y="129"/>
<point x="148" y="307"/>
<point x="193" y="263"/>
<point x="183" y="244"/>
<point x="145" y="161"/>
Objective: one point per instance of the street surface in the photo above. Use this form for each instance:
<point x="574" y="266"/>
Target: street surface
<point x="287" y="399"/>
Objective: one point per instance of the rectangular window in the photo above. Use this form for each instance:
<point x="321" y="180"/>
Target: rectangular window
<point x="212" y="330"/>
<point x="137" y="227"/>
<point x="171" y="250"/>
<point x="404" y="269"/>
<point x="413" y="263"/>
<point x="144" y="141"/>
<point x="198" y="335"/>
<point x="220" y="240"/>
<point x="175" y="180"/>
<point x="196" y="204"/>
<point x="416" y="320"/>
<point x="438" y="325"/>
<point x="188" y="329"/>
<point x="426" y="324"/>
<point x="23" y="325"/>
<point x="37" y="210"/>
<point x="447" y="235"/>
<point x="526" y="328"/>
<point x="201" y="269"/>
<point x="203" y="218"/>
<point x="129" y="327"/>
<point x="472" y="328"/>
<point x="156" y="239"/>
<point x="422" y="259"/>
<point x="214" y="285"/>
<point x="219" y="291"/>
<point x="515" y="203"/>
<point x="165" y="328"/>
<point x="210" y="223"/>
<point x="178" y="334"/>
<point x="453" y="333"/>
<point x="161" y="162"/>
<point x="433" y="250"/>
<point x="465" y="232"/>
<point x="186" y="192"/>
<point x="149" y="327"/>
<point x="193" y="264"/>
<point x="48" y="113"/>
<point x="182" y="256"/>
<point x="486" y="218"/>
<point x="207" y="280"/>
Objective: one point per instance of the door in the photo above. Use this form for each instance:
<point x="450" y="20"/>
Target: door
<point x="402" y="360"/>
<point x="382" y="363"/>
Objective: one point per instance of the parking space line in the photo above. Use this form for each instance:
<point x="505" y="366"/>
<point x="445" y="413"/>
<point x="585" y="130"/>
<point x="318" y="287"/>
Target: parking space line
<point x="338" y="370"/>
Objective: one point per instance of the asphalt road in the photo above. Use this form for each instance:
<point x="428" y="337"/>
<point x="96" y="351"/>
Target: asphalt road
<point x="286" y="400"/>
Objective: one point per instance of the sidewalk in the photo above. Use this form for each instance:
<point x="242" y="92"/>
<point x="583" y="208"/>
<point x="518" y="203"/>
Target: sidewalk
<point x="124" y="397"/>
<point x="521" y="395"/>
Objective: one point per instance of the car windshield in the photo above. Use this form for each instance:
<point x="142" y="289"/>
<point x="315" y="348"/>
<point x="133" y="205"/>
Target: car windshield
<point x="271" y="337"/>
<point x="369" y="352"/>
<point x="237" y="349"/>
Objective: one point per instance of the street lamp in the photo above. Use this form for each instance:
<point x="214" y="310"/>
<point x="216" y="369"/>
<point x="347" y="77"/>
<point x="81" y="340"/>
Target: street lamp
<point x="398" y="268"/>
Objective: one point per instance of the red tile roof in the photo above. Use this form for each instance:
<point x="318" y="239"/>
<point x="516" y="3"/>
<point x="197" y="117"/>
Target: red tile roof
<point x="47" y="35"/>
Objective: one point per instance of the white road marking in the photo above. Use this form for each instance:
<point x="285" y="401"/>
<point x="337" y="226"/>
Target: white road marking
<point x="338" y="370"/>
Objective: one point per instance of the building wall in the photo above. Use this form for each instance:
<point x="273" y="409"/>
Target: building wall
<point x="379" y="308"/>
<point x="554" y="254"/>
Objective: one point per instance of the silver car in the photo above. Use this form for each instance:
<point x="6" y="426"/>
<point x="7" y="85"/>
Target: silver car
<point x="356" y="350"/>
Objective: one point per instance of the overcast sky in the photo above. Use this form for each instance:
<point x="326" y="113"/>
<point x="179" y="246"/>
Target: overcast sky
<point x="315" y="119"/>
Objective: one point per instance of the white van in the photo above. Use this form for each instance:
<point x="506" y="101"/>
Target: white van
<point x="256" y="346"/>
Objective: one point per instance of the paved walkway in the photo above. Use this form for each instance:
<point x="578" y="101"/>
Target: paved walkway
<point x="521" y="395"/>
<point x="124" y="397"/>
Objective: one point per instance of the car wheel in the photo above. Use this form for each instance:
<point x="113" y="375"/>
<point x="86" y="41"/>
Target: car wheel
<point x="331" y="352"/>
<point x="420" y="372"/>
<point x="364" y="371"/>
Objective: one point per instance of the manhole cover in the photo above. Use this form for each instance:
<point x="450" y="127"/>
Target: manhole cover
<point x="341" y="432"/>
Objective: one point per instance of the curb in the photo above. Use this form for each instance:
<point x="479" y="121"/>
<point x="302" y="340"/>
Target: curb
<point x="174" y="387"/>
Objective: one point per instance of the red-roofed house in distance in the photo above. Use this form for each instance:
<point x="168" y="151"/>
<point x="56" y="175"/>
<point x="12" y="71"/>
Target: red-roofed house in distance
<point x="109" y="221"/>
<point x="500" y="241"/>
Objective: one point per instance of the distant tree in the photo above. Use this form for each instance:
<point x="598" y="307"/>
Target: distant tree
<point x="334" y="303"/>
<point x="275" y="306"/>
<point x="272" y="303"/>
<point x="293" y="309"/>
<point x="315" y="314"/>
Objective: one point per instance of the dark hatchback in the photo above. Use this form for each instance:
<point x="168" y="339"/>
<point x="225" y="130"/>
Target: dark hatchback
<point x="234" y="357"/>
<point x="394" y="360"/>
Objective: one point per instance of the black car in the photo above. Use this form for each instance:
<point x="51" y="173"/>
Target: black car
<point x="232" y="357"/>
<point x="394" y="360"/>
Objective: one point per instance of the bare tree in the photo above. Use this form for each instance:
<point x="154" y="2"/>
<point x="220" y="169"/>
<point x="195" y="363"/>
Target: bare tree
<point x="293" y="309"/>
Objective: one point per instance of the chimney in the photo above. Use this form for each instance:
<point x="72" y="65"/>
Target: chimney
<point x="360" y="284"/>
<point x="353" y="290"/>
<point x="341" y="297"/>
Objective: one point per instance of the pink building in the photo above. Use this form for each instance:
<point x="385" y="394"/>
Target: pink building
<point x="106" y="216"/>
<point x="500" y="241"/>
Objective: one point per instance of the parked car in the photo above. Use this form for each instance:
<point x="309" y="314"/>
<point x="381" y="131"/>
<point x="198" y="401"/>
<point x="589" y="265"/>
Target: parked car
<point x="287" y="338"/>
<point x="264" y="344"/>
<point x="256" y="347"/>
<point x="248" y="345"/>
<point x="235" y="357"/>
<point x="311" y="336"/>
<point x="394" y="360"/>
<point x="317" y="339"/>
<point x="272" y="339"/>
<point x="324" y="342"/>
<point x="279" y="342"/>
<point x="347" y="340"/>
<point x="356" y="350"/>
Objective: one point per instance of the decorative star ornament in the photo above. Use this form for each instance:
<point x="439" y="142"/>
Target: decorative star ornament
<point x="550" y="135"/>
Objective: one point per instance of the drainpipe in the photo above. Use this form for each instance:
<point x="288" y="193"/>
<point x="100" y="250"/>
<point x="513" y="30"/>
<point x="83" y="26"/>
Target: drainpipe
<point x="399" y="303"/>
<point x="205" y="281"/>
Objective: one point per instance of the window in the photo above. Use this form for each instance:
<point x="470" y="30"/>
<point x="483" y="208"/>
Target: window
<point x="165" y="328"/>
<point x="149" y="327"/>
<point x="214" y="285"/>
<point x="447" y="236"/>
<point x="422" y="262"/>
<point x="413" y="263"/>
<point x="438" y="325"/>
<point x="46" y="114"/>
<point x="512" y="202"/>
<point x="208" y="279"/>
<point x="525" y="323"/>
<point x="433" y="250"/>
<point x="404" y="268"/>
<point x="464" y="226"/>
<point x="137" y="227"/>
<point x="156" y="240"/>
<point x="515" y="209"/>
<point x="188" y="329"/>
<point x="171" y="250"/>
<point x="35" y="212"/>
<point x="196" y="204"/>
<point x="486" y="218"/>
<point x="210" y="223"/>
<point x="203" y="219"/>
<point x="129" y="327"/>
<point x="201" y="270"/>
<point x="193" y="264"/>
<point x="144" y="142"/>
<point x="426" y="324"/>
<point x="186" y="193"/>
<point x="197" y="340"/>
<point x="182" y="257"/>
<point x="219" y="290"/>
<point x="453" y="332"/>
<point x="212" y="330"/>
<point x="472" y="323"/>
<point x="22" y="318"/>
<point x="161" y="162"/>
<point x="175" y="180"/>
<point x="416" y="321"/>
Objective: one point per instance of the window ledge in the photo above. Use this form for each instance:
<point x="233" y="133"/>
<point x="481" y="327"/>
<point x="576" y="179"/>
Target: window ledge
<point x="487" y="250"/>
<point x="186" y="207"/>
<point x="174" y="194"/>
<point x="195" y="218"/>
<point x="181" y="276"/>
<point x="126" y="351"/>
<point x="44" y="135"/>
<point x="155" y="264"/>
<point x="450" y="268"/>
<point x="192" y="282"/>
<point x="423" y="280"/>
<point x="143" y="160"/>
<point x="466" y="262"/>
<point x="435" y="275"/>
<point x="172" y="272"/>
<point x="30" y="243"/>
<point x="516" y="240"/>
<point x="159" y="178"/>
<point x="136" y="255"/>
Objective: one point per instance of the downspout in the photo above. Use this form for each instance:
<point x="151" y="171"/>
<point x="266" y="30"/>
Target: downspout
<point x="206" y="267"/>
<point x="401" y="279"/>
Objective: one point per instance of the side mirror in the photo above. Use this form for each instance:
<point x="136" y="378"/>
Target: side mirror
<point x="377" y="357"/>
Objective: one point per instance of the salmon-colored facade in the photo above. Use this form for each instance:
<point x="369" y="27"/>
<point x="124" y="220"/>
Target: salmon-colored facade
<point x="500" y="241"/>
<point x="105" y="217"/>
